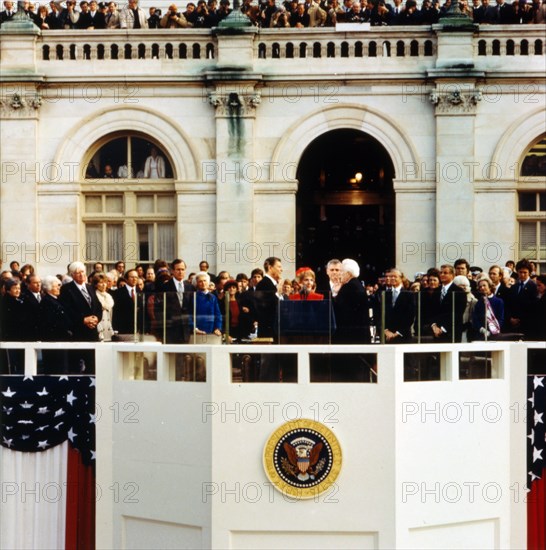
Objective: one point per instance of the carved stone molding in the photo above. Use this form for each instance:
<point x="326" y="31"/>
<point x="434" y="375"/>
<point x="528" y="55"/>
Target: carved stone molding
<point x="19" y="106"/>
<point x="233" y="104"/>
<point x="455" y="101"/>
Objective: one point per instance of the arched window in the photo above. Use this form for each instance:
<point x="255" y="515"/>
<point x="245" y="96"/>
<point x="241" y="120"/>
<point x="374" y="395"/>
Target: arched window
<point x="127" y="156"/>
<point x="532" y="205"/>
<point x="128" y="200"/>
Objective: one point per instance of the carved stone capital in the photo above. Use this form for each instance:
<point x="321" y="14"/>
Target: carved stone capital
<point x="455" y="101"/>
<point x="18" y="106"/>
<point x="234" y="104"/>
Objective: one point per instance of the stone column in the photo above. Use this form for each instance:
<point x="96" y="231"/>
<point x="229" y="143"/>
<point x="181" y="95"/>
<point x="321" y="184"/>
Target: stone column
<point x="235" y="103"/>
<point x="455" y="99"/>
<point x="455" y="104"/>
<point x="20" y="104"/>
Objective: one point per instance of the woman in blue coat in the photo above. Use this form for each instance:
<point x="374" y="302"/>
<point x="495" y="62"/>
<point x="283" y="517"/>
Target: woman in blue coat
<point x="488" y="314"/>
<point x="208" y="318"/>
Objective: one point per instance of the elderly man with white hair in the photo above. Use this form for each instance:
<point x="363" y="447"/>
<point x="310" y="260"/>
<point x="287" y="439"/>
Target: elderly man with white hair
<point x="351" y="307"/>
<point x="85" y="310"/>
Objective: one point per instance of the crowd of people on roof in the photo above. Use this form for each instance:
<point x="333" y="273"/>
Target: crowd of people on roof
<point x="455" y="303"/>
<point x="91" y="14"/>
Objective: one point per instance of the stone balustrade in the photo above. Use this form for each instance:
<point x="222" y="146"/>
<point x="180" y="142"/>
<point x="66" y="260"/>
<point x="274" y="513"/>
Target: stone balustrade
<point x="201" y="46"/>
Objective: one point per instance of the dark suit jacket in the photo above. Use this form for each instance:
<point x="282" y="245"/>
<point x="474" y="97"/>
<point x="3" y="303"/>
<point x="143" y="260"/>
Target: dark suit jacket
<point x="450" y="308"/>
<point x="167" y="303"/>
<point x="12" y="319"/>
<point x="32" y="316"/>
<point x="123" y="316"/>
<point x="77" y="309"/>
<point x="502" y="291"/>
<point x="400" y="316"/>
<point x="351" y="311"/>
<point x="266" y="305"/>
<point x="521" y="305"/>
<point x="539" y="329"/>
<point x="55" y="21"/>
<point x="4" y="16"/>
<point x="246" y="320"/>
<point x="55" y="323"/>
<point x="86" y="20"/>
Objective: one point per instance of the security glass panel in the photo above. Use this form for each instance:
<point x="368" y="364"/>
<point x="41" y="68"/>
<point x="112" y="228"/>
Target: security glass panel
<point x="477" y="364"/>
<point x="264" y="367"/>
<point x="420" y="367"/>
<point x="343" y="367"/>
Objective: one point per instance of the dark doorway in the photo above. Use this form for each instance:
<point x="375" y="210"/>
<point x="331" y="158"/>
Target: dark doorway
<point x="345" y="203"/>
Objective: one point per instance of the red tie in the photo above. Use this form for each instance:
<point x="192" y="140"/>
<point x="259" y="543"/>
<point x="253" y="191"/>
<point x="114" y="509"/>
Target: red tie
<point x="133" y="294"/>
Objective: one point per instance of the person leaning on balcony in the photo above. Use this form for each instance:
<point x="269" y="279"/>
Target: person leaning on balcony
<point x="334" y="11"/>
<point x="54" y="19"/>
<point x="41" y="18"/>
<point x="358" y="14"/>
<point x="70" y="15"/>
<point x="280" y="18"/>
<point x="133" y="17"/>
<point x="317" y="16"/>
<point x="380" y="13"/>
<point x="224" y="10"/>
<point x="299" y="19"/>
<point x="430" y="14"/>
<point x="96" y="16"/>
<point x="154" y="18"/>
<point x="84" y="19"/>
<point x="538" y="12"/>
<point x="411" y="15"/>
<point x="8" y="12"/>
<point x="190" y="13"/>
<point x="523" y="12"/>
<point x="481" y="14"/>
<point x="173" y="19"/>
<point x="111" y="17"/>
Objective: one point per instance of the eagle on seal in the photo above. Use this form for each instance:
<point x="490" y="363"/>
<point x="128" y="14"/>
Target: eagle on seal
<point x="303" y="461"/>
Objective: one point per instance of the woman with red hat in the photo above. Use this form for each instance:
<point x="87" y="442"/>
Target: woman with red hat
<point x="306" y="278"/>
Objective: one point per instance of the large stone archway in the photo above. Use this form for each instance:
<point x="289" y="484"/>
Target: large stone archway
<point x="345" y="203"/>
<point x="355" y="117"/>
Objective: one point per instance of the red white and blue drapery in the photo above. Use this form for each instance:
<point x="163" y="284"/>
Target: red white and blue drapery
<point x="47" y="437"/>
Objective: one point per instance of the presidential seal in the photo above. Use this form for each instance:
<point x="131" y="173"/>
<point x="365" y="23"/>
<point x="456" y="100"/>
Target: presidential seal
<point x="302" y="458"/>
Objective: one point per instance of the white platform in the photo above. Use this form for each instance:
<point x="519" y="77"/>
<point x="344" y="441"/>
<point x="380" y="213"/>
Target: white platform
<point x="432" y="464"/>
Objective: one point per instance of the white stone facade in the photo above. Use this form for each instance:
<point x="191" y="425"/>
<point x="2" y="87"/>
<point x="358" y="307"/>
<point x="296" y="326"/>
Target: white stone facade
<point x="456" y="113"/>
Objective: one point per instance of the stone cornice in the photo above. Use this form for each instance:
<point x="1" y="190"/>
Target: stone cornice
<point x="413" y="186"/>
<point x="276" y="188"/>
